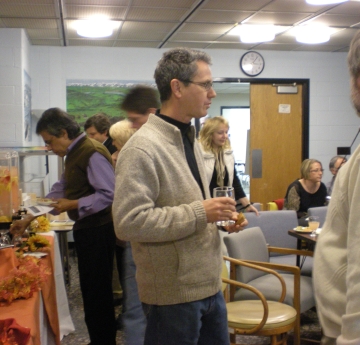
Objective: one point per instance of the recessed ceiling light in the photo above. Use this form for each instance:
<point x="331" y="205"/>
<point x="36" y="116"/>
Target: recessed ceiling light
<point x="312" y="34"/>
<point x="94" y="28"/>
<point x="254" y="33"/>
<point x="324" y="2"/>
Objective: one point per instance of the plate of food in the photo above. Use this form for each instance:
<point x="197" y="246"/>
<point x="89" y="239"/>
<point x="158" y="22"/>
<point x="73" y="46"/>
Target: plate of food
<point x="45" y="201"/>
<point x="304" y="229"/>
<point x="36" y="254"/>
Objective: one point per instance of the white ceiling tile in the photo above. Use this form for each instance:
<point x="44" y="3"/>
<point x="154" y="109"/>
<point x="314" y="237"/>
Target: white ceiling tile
<point x="155" y="14"/>
<point x="212" y="16"/>
<point x="155" y="23"/>
<point x="83" y="12"/>
<point x="27" y="10"/>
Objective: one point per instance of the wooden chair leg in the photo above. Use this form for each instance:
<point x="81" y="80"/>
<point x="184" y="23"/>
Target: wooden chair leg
<point x="279" y="339"/>
<point x="297" y="330"/>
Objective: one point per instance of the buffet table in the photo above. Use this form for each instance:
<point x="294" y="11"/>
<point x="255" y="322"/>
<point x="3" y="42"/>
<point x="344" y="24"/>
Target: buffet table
<point x="47" y="312"/>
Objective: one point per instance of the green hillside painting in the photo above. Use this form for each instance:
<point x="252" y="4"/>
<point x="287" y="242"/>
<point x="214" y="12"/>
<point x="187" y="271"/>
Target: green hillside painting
<point x="85" y="98"/>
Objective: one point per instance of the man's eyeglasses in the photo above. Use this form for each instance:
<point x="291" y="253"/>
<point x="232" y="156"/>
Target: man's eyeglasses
<point x="206" y="85"/>
<point x="317" y="170"/>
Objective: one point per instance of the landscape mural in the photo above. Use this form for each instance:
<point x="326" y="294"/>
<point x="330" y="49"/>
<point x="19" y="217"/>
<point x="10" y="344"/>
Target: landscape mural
<point x="85" y="98"/>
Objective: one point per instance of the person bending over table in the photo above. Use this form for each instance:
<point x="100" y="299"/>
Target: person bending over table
<point x="306" y="192"/>
<point x="86" y="191"/>
<point x="219" y="159"/>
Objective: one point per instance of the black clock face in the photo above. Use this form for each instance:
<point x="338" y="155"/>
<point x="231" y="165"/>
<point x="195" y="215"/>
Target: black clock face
<point x="252" y="63"/>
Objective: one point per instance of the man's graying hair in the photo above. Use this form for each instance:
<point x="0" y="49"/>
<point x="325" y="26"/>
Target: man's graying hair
<point x="334" y="160"/>
<point x="55" y="120"/>
<point x="354" y="56"/>
<point x="177" y="63"/>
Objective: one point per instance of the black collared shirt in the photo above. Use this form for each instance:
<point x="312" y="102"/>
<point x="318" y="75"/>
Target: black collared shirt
<point x="188" y="146"/>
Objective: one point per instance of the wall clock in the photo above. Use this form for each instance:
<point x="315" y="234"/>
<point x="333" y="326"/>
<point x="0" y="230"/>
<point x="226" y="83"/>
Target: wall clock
<point x="252" y="63"/>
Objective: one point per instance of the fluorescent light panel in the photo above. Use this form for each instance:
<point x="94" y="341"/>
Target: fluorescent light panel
<point x="256" y="33"/>
<point x="324" y="2"/>
<point x="94" y="28"/>
<point x="312" y="34"/>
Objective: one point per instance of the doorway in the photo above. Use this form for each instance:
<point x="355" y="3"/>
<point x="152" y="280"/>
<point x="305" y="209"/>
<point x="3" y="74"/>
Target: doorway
<point x="239" y="127"/>
<point x="270" y="148"/>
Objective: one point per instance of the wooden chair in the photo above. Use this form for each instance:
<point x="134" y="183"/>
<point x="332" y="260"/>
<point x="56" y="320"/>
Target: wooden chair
<point x="250" y="246"/>
<point x="258" y="317"/>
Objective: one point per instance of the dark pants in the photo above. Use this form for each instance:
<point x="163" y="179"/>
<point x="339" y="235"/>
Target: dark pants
<point x="95" y="250"/>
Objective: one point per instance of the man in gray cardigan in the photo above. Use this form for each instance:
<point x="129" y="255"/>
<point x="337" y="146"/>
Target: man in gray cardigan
<point x="163" y="206"/>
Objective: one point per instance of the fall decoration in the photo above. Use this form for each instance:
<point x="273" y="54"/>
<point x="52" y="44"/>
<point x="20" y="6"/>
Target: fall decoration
<point x="23" y="280"/>
<point x="40" y="224"/>
<point x="11" y="333"/>
<point x="35" y="243"/>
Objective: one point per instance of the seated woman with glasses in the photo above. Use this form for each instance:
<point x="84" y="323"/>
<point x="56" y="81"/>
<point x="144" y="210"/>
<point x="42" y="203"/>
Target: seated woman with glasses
<point x="306" y="192"/>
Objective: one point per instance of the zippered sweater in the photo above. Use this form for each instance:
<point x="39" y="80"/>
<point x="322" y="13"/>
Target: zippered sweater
<point x="158" y="207"/>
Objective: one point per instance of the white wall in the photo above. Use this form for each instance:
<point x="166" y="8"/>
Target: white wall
<point x="333" y="121"/>
<point x="14" y="60"/>
<point x="228" y="99"/>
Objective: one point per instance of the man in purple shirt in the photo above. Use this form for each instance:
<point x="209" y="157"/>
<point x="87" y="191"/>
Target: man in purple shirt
<point x="86" y="191"/>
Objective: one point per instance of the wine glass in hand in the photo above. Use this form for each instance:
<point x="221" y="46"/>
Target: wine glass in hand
<point x="225" y="192"/>
<point x="313" y="224"/>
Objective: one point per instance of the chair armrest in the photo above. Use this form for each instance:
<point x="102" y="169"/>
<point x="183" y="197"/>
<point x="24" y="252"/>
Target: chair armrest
<point x="288" y="268"/>
<point x="277" y="267"/>
<point x="261" y="297"/>
<point x="254" y="265"/>
<point x="290" y="251"/>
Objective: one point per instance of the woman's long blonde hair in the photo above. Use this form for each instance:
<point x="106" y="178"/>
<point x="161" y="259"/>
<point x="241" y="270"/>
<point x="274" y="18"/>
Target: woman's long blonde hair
<point x="210" y="126"/>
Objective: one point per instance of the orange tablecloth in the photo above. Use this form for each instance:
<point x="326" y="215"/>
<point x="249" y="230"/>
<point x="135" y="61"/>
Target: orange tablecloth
<point x="26" y="312"/>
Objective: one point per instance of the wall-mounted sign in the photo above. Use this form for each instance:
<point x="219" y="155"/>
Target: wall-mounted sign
<point x="284" y="108"/>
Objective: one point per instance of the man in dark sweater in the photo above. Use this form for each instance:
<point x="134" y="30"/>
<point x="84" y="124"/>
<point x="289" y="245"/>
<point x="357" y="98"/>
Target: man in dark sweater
<point x="85" y="191"/>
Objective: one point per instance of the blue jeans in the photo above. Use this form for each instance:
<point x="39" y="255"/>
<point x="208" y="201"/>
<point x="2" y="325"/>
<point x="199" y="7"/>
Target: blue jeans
<point x="132" y="316"/>
<point x="201" y="322"/>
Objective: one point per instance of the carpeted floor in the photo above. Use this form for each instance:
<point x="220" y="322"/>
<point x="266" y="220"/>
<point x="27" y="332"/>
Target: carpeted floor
<point x="80" y="336"/>
<point x="310" y="328"/>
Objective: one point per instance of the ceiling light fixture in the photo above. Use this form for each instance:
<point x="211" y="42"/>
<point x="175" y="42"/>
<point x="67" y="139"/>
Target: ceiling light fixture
<point x="254" y="33"/>
<point x="94" y="28"/>
<point x="324" y="2"/>
<point x="312" y="34"/>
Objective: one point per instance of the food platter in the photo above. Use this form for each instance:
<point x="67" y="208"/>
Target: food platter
<point x="36" y="254"/>
<point x="45" y="201"/>
<point x="303" y="229"/>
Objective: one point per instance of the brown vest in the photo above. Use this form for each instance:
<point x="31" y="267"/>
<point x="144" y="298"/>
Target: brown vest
<point x="77" y="183"/>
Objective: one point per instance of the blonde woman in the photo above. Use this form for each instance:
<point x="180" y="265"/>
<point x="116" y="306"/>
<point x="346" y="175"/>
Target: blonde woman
<point x="120" y="132"/>
<point x="219" y="159"/>
<point x="308" y="191"/>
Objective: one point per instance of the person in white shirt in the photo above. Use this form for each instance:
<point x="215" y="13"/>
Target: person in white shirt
<point x="337" y="256"/>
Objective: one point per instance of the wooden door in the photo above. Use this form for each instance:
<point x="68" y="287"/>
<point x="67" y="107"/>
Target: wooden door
<point x="276" y="129"/>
